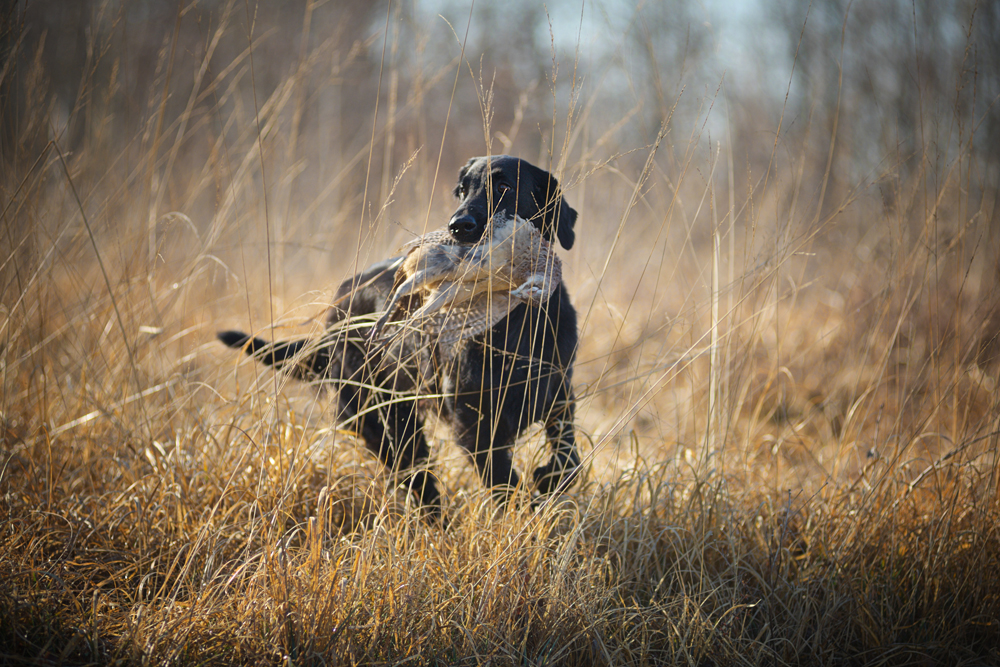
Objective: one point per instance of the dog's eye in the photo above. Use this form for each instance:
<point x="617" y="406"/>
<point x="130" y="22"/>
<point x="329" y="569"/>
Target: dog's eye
<point x="502" y="188"/>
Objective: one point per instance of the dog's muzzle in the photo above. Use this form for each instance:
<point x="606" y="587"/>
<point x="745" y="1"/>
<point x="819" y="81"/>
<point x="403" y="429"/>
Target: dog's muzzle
<point x="464" y="229"/>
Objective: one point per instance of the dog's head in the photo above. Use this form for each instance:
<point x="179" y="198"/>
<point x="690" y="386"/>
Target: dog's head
<point x="509" y="185"/>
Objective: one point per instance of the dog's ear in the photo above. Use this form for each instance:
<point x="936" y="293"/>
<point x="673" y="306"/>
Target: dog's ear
<point x="557" y="215"/>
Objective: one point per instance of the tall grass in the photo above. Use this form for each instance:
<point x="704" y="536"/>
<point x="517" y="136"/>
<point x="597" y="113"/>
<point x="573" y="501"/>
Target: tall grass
<point x="788" y="400"/>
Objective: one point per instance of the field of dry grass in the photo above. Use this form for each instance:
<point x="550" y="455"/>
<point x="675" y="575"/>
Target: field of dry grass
<point x="787" y="376"/>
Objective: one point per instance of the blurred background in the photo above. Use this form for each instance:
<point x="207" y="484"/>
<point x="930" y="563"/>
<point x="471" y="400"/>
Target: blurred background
<point x="771" y="194"/>
<point x="838" y="96"/>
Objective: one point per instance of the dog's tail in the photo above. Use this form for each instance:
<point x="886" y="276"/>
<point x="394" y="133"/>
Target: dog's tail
<point x="272" y="354"/>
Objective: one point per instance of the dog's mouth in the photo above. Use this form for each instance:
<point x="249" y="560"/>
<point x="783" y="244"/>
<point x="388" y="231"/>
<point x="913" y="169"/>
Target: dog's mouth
<point x="497" y="222"/>
<point x="466" y="231"/>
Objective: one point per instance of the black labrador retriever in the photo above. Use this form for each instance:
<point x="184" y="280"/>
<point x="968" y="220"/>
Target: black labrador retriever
<point x="491" y="389"/>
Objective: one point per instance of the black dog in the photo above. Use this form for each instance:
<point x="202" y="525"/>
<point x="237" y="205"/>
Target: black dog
<point x="492" y="388"/>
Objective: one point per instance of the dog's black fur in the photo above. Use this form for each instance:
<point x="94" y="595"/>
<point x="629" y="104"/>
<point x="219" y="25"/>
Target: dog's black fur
<point x="497" y="383"/>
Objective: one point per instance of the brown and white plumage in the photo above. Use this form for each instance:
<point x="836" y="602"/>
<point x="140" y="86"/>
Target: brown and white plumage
<point x="465" y="290"/>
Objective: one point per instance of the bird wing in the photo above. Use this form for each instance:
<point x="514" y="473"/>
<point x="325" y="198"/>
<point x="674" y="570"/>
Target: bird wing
<point x="447" y="327"/>
<point x="484" y="311"/>
<point x="437" y="237"/>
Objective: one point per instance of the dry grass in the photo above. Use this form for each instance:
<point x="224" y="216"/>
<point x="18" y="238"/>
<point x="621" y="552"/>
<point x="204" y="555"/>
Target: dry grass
<point x="790" y="421"/>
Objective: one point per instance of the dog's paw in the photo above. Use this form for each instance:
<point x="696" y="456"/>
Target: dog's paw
<point x="558" y="474"/>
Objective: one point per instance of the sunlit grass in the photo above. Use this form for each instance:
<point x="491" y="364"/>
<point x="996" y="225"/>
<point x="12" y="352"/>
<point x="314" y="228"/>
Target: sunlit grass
<point x="789" y="422"/>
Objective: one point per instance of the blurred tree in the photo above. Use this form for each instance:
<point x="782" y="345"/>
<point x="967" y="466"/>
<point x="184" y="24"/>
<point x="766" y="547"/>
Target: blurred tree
<point x="897" y="87"/>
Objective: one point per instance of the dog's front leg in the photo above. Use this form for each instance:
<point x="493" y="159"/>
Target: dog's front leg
<point x="487" y="434"/>
<point x="381" y="408"/>
<point x="561" y="470"/>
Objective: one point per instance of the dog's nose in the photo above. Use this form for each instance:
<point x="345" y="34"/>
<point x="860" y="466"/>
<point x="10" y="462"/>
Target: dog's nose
<point x="464" y="229"/>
